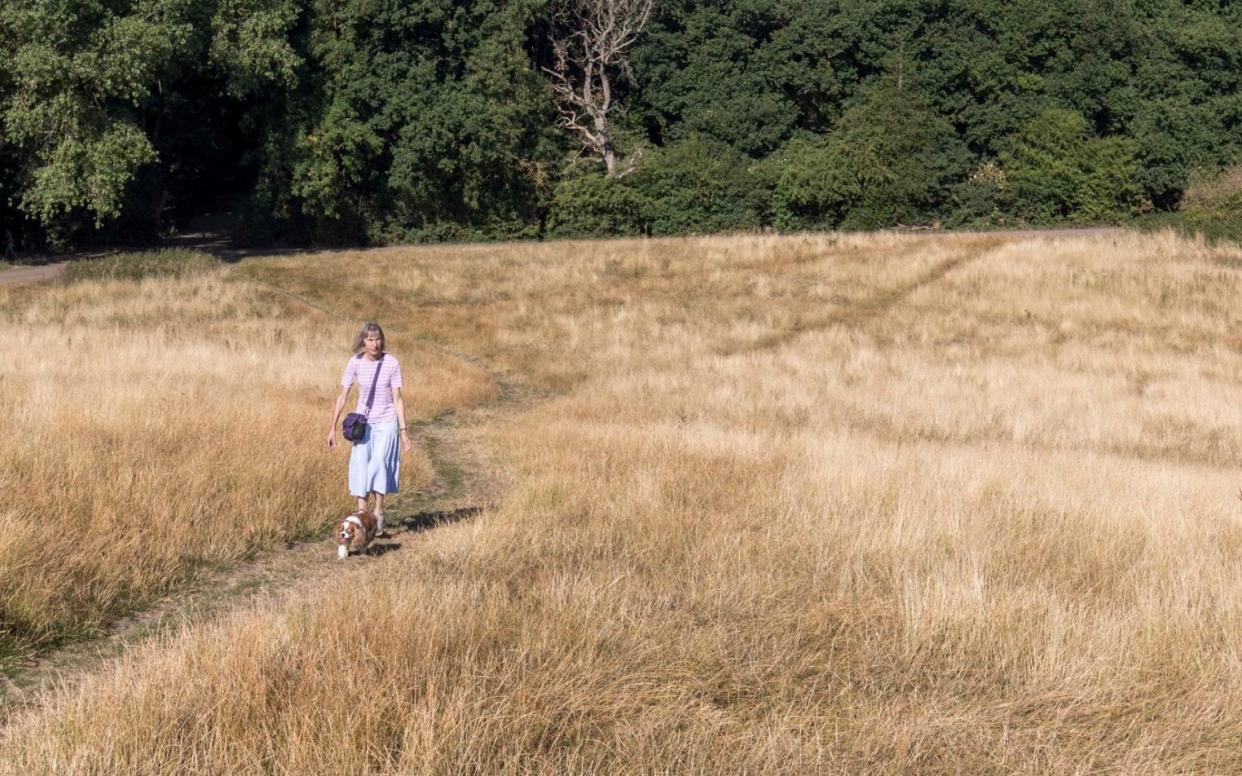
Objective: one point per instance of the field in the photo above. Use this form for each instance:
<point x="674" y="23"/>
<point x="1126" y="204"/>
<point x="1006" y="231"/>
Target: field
<point x="834" y="503"/>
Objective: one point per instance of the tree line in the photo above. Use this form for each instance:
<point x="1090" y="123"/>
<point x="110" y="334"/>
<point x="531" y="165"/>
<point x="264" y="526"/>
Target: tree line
<point x="382" y="121"/>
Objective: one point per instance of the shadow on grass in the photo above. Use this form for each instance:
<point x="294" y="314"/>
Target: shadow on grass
<point x="424" y="521"/>
<point x="376" y="550"/>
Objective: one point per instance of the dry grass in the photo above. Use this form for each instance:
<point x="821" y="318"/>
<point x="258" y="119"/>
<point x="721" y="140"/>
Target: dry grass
<point x="164" y="425"/>
<point x="844" y="504"/>
<point x="1214" y="189"/>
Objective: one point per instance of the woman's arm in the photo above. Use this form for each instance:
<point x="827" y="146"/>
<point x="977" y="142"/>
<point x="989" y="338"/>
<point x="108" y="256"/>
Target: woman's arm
<point x="336" y="416"/>
<point x="400" y="407"/>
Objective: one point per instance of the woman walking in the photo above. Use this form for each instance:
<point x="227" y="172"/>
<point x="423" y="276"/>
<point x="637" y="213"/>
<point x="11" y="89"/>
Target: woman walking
<point x="375" y="461"/>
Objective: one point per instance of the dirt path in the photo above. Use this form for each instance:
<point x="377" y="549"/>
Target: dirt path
<point x="16" y="275"/>
<point x="466" y="484"/>
<point x="856" y="313"/>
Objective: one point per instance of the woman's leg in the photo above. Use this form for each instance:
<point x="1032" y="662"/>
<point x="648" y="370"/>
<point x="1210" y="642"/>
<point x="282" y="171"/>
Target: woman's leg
<point x="362" y="503"/>
<point x="383" y="467"/>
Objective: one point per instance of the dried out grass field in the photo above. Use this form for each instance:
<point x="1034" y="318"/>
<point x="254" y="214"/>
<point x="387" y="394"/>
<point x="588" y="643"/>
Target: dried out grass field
<point x="815" y="503"/>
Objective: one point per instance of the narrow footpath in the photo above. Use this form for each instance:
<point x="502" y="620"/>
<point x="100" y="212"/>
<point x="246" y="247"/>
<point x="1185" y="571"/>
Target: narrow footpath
<point x="466" y="484"/>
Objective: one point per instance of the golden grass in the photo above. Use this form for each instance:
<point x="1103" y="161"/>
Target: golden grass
<point x="816" y="503"/>
<point x="160" y="426"/>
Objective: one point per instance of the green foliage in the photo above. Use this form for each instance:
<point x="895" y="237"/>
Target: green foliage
<point x="701" y="71"/>
<point x="142" y="264"/>
<point x="889" y="160"/>
<point x="88" y="172"/>
<point x="699" y="185"/>
<point x="902" y="154"/>
<point x="78" y="72"/>
<point x="1109" y="190"/>
<point x="429" y="123"/>
<point x="696" y="185"/>
<point x="89" y="88"/>
<point x="1045" y="167"/>
<point x="415" y="120"/>
<point x="754" y="74"/>
<point x="250" y="44"/>
<point x="1057" y="171"/>
<point x="597" y="205"/>
<point x="815" y="184"/>
<point x="977" y="200"/>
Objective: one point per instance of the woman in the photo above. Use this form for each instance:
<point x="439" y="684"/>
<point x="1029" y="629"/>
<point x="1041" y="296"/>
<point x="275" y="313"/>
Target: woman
<point x="375" y="462"/>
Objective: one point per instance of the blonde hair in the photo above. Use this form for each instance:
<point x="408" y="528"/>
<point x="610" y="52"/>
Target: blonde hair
<point x="367" y="328"/>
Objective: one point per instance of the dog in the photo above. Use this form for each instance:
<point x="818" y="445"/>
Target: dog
<point x="355" y="532"/>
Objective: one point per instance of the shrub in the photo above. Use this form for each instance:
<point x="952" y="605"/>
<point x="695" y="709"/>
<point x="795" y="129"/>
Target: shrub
<point x="814" y="185"/>
<point x="595" y="205"/>
<point x="904" y="155"/>
<point x="1056" y="171"/>
<point x="699" y="185"/>
<point x="979" y="199"/>
<point x="890" y="159"/>
<point x="1109" y="189"/>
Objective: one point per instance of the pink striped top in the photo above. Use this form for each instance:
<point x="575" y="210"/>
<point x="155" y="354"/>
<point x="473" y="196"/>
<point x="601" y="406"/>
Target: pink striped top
<point x="362" y="372"/>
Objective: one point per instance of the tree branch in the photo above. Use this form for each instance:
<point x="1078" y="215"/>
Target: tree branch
<point x="589" y="44"/>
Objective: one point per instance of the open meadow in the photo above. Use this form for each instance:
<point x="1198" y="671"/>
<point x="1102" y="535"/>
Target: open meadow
<point x="781" y="504"/>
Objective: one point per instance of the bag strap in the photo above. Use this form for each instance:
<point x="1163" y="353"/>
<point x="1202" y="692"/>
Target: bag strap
<point x="379" y="364"/>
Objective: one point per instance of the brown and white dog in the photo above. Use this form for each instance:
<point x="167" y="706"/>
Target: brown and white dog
<point x="355" y="532"/>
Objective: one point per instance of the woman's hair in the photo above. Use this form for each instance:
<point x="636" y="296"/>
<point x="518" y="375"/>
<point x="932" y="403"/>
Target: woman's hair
<point x="367" y="328"/>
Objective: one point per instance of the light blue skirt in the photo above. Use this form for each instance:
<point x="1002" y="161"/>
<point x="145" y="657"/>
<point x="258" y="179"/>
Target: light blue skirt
<point x="375" y="461"/>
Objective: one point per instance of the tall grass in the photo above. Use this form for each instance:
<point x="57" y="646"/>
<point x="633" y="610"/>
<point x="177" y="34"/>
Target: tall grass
<point x="864" y="504"/>
<point x="159" y="426"/>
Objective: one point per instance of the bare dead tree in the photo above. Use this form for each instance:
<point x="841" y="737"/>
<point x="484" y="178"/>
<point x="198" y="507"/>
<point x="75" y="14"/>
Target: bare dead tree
<point x="589" y="42"/>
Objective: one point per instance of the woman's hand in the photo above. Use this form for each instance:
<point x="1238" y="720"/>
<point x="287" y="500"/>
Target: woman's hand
<point x="332" y="440"/>
<point x="405" y="441"/>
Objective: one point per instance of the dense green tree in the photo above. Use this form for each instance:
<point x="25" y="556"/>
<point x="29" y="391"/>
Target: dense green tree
<point x="590" y="204"/>
<point x="752" y="73"/>
<point x="98" y="96"/>
<point x="699" y="185"/>
<point x="1057" y="170"/>
<point x="430" y="122"/>
<point x="1190" y="79"/>
<point x="699" y="73"/>
<point x="394" y="120"/>
<point x="888" y="160"/>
